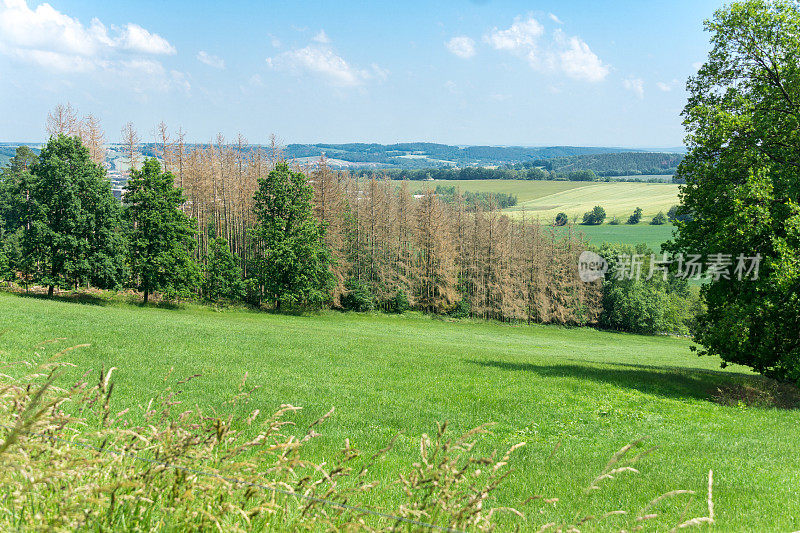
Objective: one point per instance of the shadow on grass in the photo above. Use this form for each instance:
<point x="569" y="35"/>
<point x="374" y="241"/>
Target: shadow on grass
<point x="726" y="388"/>
<point x="87" y="298"/>
<point x="81" y="298"/>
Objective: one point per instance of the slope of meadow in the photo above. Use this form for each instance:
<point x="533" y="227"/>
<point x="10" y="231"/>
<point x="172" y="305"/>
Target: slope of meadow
<point x="589" y="391"/>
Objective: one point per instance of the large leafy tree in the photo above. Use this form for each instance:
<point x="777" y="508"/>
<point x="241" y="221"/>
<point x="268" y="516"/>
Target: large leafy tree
<point x="742" y="185"/>
<point x="161" y="238"/>
<point x="72" y="232"/>
<point x="293" y="261"/>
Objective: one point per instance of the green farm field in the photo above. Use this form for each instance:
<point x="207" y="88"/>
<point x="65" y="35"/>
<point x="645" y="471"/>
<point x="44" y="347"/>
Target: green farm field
<point x="618" y="199"/>
<point x="652" y="236"/>
<point x="545" y="199"/>
<point x="575" y="396"/>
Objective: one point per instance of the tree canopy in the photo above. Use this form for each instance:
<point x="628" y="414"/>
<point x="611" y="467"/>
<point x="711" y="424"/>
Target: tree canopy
<point x="161" y="235"/>
<point x="293" y="264"/>
<point x="742" y="184"/>
<point x="71" y="222"/>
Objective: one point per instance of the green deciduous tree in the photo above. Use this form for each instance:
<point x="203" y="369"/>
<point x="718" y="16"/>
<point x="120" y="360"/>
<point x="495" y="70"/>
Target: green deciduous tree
<point x="594" y="217"/>
<point x="636" y="217"/>
<point x="742" y="184"/>
<point x="659" y="220"/>
<point x="72" y="231"/>
<point x="161" y="237"/>
<point x="637" y="298"/>
<point x="293" y="262"/>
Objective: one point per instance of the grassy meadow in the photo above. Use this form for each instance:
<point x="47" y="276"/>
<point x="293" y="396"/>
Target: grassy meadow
<point x="575" y="396"/>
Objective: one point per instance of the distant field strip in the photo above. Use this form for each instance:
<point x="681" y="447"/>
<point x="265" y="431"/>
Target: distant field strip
<point x="545" y="199"/>
<point x="525" y="190"/>
<point x="618" y="199"/>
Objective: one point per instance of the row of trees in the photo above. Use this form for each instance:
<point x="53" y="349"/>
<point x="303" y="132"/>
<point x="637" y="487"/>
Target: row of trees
<point x="597" y="216"/>
<point x="246" y="225"/>
<point x="448" y="257"/>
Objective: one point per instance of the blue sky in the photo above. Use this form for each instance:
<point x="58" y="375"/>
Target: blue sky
<point x="459" y="72"/>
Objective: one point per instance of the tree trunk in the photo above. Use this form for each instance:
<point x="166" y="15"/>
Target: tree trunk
<point x="146" y="295"/>
<point x="50" y="291"/>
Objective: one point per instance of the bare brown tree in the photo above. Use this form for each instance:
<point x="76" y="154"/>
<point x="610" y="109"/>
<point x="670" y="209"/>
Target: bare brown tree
<point x="131" y="145"/>
<point x="63" y="120"/>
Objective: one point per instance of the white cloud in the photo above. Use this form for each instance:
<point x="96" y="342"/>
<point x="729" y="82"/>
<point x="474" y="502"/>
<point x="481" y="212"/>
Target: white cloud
<point x="635" y="85"/>
<point x="461" y="46"/>
<point x="274" y="41"/>
<point x="668" y="86"/>
<point x="134" y="37"/>
<point x="557" y="52"/>
<point x="319" y="59"/>
<point x="554" y="18"/>
<point x="254" y="83"/>
<point x="521" y="34"/>
<point x="321" y="37"/>
<point x="53" y="40"/>
<point x="210" y="59"/>
<point x="578" y="61"/>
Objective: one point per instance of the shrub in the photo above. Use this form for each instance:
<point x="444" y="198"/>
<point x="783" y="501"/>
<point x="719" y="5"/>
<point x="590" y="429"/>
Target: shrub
<point x="561" y="219"/>
<point x="614" y="221"/>
<point x="358" y="297"/>
<point x="462" y="309"/>
<point x="659" y="220"/>
<point x="641" y="305"/>
<point x="594" y="217"/>
<point x="5" y="269"/>
<point x="636" y="217"/>
<point x="252" y="291"/>
<point x="222" y="278"/>
<point x="399" y="302"/>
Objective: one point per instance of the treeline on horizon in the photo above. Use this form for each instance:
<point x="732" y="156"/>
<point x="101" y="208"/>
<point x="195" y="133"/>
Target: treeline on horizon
<point x="592" y="167"/>
<point x="436" y="154"/>
<point x="503" y="162"/>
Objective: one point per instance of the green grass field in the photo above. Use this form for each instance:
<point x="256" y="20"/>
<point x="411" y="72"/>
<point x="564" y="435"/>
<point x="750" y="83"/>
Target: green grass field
<point x="652" y="236"/>
<point x="590" y="391"/>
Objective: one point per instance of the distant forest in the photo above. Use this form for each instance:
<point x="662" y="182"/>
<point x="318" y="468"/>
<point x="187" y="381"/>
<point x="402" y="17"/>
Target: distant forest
<point x="424" y="155"/>
<point x="421" y="161"/>
<point x="587" y="167"/>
